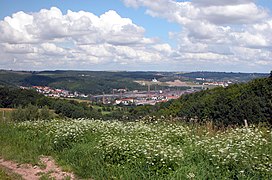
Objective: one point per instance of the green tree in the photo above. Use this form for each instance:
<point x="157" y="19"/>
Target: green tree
<point x="19" y="114"/>
<point x="45" y="114"/>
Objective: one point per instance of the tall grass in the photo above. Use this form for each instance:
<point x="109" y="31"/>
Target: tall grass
<point x="142" y="150"/>
<point x="21" y="145"/>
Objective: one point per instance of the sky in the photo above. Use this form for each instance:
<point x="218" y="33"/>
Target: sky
<point x="136" y="35"/>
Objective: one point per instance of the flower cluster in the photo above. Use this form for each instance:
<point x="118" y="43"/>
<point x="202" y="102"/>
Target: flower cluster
<point x="160" y="147"/>
<point x="244" y="148"/>
<point x="156" y="146"/>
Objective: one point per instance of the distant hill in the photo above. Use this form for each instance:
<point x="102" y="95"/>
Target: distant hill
<point x="88" y="82"/>
<point x="224" y="106"/>
<point x="223" y="76"/>
<point x="97" y="82"/>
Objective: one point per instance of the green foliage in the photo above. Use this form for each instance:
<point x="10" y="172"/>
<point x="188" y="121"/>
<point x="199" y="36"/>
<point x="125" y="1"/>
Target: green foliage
<point x="45" y="114"/>
<point x="12" y="97"/>
<point x="31" y="113"/>
<point x="223" y="106"/>
<point x="36" y="80"/>
<point x="74" y="109"/>
<point x="12" y="78"/>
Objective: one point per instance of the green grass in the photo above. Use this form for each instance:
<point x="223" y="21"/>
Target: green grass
<point x="6" y="174"/>
<point x="113" y="109"/>
<point x="20" y="145"/>
<point x="142" y="150"/>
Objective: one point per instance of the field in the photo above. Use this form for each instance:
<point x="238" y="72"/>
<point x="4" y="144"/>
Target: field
<point x="145" y="149"/>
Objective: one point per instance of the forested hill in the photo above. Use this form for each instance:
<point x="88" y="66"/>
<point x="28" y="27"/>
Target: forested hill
<point x="98" y="82"/>
<point x="224" y="106"/>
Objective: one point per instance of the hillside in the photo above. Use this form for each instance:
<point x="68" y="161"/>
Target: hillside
<point x="82" y="81"/>
<point x="98" y="82"/>
<point x="224" y="106"/>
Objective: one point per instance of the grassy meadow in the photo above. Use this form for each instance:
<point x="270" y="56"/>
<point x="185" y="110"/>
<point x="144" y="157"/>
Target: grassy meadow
<point x="145" y="149"/>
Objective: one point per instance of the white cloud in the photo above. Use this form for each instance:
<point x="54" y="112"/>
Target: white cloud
<point x="249" y="40"/>
<point x="213" y="34"/>
<point x="165" y="48"/>
<point x="51" y="39"/>
<point x="237" y="32"/>
<point x="220" y="2"/>
<point x="217" y="12"/>
<point x="234" y="14"/>
<point x="52" y="49"/>
<point x="19" y="48"/>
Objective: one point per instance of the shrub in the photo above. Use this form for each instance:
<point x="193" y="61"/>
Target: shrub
<point x="45" y="113"/>
<point x="31" y="113"/>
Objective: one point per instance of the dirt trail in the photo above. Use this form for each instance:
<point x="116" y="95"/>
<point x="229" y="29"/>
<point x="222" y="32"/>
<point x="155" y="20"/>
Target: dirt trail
<point x="30" y="172"/>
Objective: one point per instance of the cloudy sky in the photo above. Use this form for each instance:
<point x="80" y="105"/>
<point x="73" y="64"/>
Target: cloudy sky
<point x="165" y="35"/>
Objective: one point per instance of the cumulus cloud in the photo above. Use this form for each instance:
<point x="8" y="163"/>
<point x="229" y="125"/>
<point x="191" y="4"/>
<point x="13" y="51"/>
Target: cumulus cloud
<point x="217" y="12"/>
<point x="51" y="39"/>
<point x="234" y="32"/>
<point x="234" y="14"/>
<point x="214" y="35"/>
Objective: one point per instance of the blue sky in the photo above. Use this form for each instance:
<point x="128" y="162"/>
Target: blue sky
<point x="170" y="35"/>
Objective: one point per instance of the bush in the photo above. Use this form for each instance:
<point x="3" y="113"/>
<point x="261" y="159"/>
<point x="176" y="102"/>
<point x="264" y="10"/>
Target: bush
<point x="31" y="113"/>
<point x="45" y="113"/>
<point x="19" y="114"/>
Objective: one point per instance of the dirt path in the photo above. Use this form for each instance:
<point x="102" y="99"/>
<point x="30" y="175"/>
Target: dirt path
<point x="30" y="172"/>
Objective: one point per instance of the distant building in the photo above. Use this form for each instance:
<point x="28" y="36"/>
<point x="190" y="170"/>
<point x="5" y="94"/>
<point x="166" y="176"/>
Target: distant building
<point x="127" y="101"/>
<point x="172" y="97"/>
<point x="222" y="84"/>
<point x="154" y="80"/>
